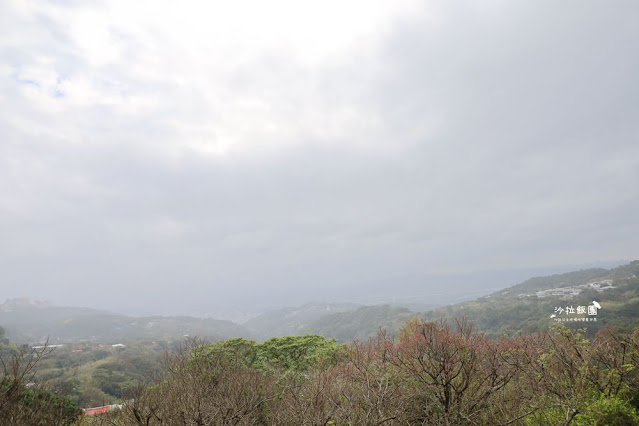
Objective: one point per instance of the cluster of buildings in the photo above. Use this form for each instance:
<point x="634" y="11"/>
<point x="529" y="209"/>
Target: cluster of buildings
<point x="572" y="291"/>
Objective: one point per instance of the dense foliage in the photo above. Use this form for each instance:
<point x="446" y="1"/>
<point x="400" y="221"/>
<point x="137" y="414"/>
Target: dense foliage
<point x="97" y="374"/>
<point x="430" y="373"/>
<point x="22" y="401"/>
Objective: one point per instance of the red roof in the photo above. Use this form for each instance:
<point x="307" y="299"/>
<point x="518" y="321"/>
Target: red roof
<point x="97" y="410"/>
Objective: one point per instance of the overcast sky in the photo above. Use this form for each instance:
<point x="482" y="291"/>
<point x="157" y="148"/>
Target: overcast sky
<point x="157" y="152"/>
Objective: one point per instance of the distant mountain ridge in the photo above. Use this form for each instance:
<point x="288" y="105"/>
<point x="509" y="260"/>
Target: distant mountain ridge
<point x="510" y="311"/>
<point x="19" y="302"/>
<point x="26" y="320"/>
<point x="513" y="310"/>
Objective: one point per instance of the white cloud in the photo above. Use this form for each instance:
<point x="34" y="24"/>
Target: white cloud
<point x="233" y="75"/>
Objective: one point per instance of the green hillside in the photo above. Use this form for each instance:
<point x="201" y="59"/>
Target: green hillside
<point x="294" y="320"/>
<point x="361" y="323"/>
<point x="518" y="309"/>
<point x="511" y="311"/>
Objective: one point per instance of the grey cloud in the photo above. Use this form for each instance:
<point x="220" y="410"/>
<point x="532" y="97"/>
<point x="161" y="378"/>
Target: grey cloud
<point x="479" y="138"/>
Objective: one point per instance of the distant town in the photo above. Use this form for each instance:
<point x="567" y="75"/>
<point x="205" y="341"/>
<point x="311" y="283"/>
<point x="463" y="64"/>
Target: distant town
<point x="572" y="291"/>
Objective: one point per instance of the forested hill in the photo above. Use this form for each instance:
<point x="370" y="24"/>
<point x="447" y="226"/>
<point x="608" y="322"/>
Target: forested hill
<point x="26" y="320"/>
<point x="528" y="306"/>
<point x="293" y="320"/>
<point x="361" y="323"/>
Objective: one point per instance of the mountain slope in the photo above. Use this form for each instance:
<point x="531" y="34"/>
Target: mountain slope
<point x="528" y="306"/>
<point x="26" y="321"/>
<point x="361" y="323"/>
<point x="293" y="321"/>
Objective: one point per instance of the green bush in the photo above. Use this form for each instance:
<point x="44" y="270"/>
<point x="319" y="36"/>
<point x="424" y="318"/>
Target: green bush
<point x="608" y="411"/>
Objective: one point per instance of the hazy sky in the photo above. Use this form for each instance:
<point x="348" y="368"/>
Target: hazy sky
<point x="156" y="152"/>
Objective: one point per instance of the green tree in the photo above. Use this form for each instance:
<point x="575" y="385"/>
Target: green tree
<point x="608" y="411"/>
<point x="22" y="402"/>
<point x="297" y="353"/>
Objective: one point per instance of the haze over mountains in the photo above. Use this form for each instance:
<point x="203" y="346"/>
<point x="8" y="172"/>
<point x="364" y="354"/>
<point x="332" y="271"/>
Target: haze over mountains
<point x="209" y="156"/>
<point x="418" y="293"/>
<point x="511" y="310"/>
